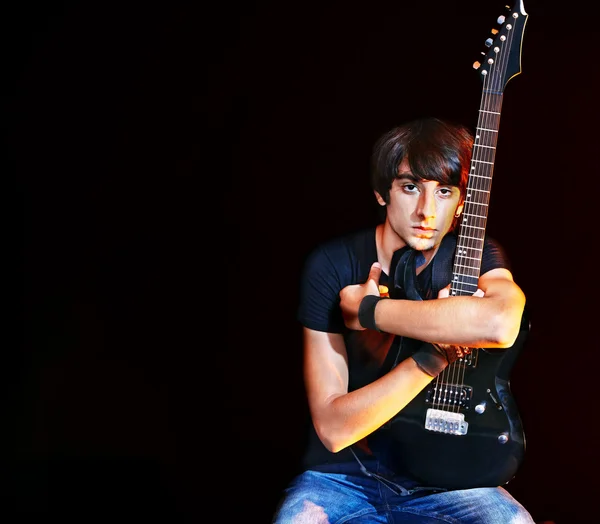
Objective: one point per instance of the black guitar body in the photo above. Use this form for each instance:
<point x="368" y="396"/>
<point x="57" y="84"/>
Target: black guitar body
<point x="491" y="451"/>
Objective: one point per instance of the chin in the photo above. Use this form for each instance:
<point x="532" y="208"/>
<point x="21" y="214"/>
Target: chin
<point x="422" y="244"/>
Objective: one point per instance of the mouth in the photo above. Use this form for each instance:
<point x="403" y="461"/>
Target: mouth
<point x="424" y="232"/>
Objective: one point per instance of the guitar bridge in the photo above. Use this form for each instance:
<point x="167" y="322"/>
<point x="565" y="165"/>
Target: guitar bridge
<point x="446" y="422"/>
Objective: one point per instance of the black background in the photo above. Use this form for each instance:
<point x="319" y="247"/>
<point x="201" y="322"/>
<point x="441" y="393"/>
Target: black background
<point x="170" y="165"/>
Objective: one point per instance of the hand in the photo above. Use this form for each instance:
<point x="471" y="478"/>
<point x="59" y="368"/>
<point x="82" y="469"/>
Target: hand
<point x="445" y="292"/>
<point x="351" y="297"/>
<point x="452" y="353"/>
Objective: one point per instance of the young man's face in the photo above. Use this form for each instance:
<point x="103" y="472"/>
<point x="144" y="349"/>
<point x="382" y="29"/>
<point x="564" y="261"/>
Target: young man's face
<point x="420" y="212"/>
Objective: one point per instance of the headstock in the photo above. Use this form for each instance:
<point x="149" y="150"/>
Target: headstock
<point x="502" y="61"/>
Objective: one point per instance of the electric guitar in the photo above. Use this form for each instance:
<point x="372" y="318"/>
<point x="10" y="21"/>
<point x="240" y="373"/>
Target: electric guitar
<point x="464" y="430"/>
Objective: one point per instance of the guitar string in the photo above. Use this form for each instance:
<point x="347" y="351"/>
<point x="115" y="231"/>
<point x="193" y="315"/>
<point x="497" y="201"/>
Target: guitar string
<point x="465" y="248"/>
<point x="478" y="194"/>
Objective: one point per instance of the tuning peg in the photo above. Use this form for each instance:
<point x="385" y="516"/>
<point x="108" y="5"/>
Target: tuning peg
<point x="489" y="42"/>
<point x="476" y="65"/>
<point x="501" y="19"/>
<point x="494" y="31"/>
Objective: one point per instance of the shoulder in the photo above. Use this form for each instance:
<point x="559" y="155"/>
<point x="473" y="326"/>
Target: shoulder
<point x="329" y="267"/>
<point x="354" y="250"/>
<point x="494" y="255"/>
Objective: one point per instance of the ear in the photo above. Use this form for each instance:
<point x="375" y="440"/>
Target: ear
<point x="379" y="198"/>
<point x="459" y="209"/>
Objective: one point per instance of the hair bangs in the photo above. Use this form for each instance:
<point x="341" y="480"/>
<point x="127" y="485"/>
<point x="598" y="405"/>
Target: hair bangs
<point x="429" y="162"/>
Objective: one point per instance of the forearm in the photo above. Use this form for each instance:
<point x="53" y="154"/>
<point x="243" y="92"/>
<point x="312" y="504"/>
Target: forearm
<point x="489" y="321"/>
<point x="350" y="417"/>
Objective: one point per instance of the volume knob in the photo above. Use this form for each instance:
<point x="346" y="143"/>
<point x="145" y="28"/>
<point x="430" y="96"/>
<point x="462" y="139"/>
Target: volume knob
<point x="503" y="438"/>
<point x="480" y="408"/>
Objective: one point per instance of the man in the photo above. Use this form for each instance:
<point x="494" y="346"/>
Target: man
<point x="351" y="471"/>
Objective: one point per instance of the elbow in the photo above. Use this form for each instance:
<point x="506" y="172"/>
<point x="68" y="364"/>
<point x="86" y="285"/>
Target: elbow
<point x="506" y="327"/>
<point x="335" y="447"/>
<point x="505" y="337"/>
<point x="331" y="439"/>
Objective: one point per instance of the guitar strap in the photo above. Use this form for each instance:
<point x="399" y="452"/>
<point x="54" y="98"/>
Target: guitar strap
<point x="441" y="271"/>
<point x="403" y="271"/>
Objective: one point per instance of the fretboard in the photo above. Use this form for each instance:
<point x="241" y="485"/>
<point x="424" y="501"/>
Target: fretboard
<point x="471" y="234"/>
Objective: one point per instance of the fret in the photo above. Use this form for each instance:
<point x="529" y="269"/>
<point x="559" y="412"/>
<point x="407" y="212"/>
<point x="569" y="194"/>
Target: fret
<point x="486" y="137"/>
<point x="468" y="262"/>
<point x="491" y="120"/>
<point x="479" y="195"/>
<point x="472" y="283"/>
<point x="469" y="258"/>
<point x="477" y="222"/>
<point x="474" y="215"/>
<point x="473" y="238"/>
<point x="470" y="277"/>
<point x="464" y="266"/>
<point x="470" y="247"/>
<point x="473" y="227"/>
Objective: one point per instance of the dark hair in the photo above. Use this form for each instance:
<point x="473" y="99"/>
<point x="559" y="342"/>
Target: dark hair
<point x="436" y="149"/>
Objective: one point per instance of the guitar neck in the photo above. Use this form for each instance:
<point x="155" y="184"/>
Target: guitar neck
<point x="469" y="246"/>
<point x="502" y="62"/>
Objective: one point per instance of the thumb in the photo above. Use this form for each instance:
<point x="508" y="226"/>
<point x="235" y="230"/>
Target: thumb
<point x="444" y="292"/>
<point x="375" y="272"/>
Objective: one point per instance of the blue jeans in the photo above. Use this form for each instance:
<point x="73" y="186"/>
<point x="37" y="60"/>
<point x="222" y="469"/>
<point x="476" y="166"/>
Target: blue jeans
<point x="340" y="493"/>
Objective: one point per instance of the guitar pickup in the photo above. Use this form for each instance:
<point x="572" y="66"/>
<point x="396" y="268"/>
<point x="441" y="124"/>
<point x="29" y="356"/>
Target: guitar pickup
<point x="449" y="395"/>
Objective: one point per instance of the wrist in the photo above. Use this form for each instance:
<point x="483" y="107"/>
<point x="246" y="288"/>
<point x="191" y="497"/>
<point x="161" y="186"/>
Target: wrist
<point x="366" y="311"/>
<point x="430" y="360"/>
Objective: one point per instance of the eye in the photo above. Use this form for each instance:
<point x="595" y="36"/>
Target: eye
<point x="410" y="188"/>
<point x="446" y="191"/>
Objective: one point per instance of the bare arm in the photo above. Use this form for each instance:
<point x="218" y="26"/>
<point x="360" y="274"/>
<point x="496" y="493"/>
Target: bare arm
<point x="492" y="320"/>
<point x="342" y="418"/>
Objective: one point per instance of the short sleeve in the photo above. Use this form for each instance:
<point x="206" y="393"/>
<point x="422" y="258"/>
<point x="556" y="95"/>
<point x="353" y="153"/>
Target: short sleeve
<point x="320" y="285"/>
<point x="493" y="257"/>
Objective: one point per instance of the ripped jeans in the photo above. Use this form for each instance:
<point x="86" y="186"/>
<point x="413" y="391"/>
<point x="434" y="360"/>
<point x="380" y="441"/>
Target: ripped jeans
<point x="367" y="492"/>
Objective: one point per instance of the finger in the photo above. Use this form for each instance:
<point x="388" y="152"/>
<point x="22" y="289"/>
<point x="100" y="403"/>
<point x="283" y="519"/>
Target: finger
<point x="444" y="292"/>
<point x="478" y="293"/>
<point x="375" y="272"/>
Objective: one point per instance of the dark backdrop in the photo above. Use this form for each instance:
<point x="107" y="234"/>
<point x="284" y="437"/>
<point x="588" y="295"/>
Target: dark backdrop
<point x="170" y="165"/>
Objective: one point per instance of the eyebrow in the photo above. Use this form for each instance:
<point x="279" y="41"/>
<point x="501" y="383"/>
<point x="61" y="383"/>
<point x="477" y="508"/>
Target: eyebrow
<point x="408" y="176"/>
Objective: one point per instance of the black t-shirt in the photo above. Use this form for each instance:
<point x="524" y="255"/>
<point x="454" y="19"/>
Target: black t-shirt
<point x="334" y="265"/>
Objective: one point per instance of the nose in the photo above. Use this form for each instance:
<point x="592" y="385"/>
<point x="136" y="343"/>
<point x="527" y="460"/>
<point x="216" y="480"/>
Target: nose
<point x="426" y="208"/>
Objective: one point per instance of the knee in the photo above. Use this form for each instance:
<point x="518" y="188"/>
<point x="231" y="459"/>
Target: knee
<point x="300" y="512"/>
